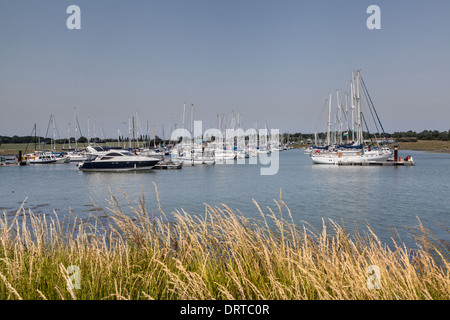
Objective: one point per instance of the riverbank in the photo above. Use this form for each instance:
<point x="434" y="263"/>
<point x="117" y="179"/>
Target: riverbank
<point x="13" y="148"/>
<point x="420" y="145"/>
<point x="222" y="255"/>
<point x="426" y="145"/>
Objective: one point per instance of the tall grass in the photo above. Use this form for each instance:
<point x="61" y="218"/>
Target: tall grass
<point x="220" y="254"/>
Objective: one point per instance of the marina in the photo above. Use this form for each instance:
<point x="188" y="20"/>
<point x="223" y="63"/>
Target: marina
<point x="217" y="151"/>
<point x="361" y="193"/>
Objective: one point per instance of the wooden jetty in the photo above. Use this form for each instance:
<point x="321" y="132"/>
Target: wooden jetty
<point x="167" y="164"/>
<point x="12" y="161"/>
<point x="376" y="163"/>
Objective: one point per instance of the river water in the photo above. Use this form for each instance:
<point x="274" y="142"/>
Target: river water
<point x="387" y="198"/>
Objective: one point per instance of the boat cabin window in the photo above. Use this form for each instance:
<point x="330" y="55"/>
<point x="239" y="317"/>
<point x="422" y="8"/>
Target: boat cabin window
<point x="113" y="154"/>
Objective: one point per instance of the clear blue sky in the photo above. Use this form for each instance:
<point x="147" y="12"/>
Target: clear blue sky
<point x="273" y="61"/>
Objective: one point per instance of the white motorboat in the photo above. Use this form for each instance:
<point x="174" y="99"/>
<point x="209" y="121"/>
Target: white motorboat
<point x="77" y="156"/>
<point x="46" y="157"/>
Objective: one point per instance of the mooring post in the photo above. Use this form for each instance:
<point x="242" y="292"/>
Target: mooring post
<point x="20" y="161"/>
<point x="396" y="153"/>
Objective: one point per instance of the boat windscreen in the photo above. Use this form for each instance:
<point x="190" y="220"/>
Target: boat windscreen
<point x="91" y="157"/>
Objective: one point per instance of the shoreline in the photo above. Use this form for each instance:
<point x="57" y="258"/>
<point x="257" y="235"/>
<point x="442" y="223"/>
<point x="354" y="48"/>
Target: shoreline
<point x="434" y="146"/>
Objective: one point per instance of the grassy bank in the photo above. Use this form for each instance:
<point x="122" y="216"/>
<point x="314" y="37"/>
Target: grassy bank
<point x="426" y="145"/>
<point x="420" y="145"/>
<point x="13" y="148"/>
<point x="220" y="255"/>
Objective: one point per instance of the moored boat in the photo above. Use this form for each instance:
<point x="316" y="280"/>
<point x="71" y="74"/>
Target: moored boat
<point x="355" y="151"/>
<point x="46" y="157"/>
<point x="349" y="155"/>
<point x="117" y="160"/>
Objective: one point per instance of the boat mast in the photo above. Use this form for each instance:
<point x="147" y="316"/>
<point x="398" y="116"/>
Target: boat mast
<point x="184" y="112"/>
<point x="147" y="137"/>
<point x="192" y="130"/>
<point x="129" y="132"/>
<point x="134" y="134"/>
<point x="137" y="135"/>
<point x="35" y="137"/>
<point x="95" y="131"/>
<point x="346" y="112"/>
<point x="329" y="121"/>
<point x="360" y="111"/>
<point x="46" y="134"/>
<point x="68" y="137"/>
<point x="76" y="128"/>
<point x="53" y="142"/>
<point x="339" y="117"/>
<point x="192" y="119"/>
<point x="216" y="138"/>
<point x="352" y="96"/>
<point x="315" y="137"/>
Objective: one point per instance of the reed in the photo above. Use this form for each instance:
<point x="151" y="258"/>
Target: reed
<point x="220" y="254"/>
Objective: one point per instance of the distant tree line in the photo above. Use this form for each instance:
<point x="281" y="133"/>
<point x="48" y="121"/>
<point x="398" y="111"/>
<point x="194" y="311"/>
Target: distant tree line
<point x="33" y="139"/>
<point x="424" y="135"/>
<point x="83" y="140"/>
<point x="403" y="136"/>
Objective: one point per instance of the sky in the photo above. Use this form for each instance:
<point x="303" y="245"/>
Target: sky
<point x="272" y="61"/>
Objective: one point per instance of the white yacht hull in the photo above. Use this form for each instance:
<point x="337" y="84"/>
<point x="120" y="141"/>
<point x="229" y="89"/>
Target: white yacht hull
<point x="343" y="157"/>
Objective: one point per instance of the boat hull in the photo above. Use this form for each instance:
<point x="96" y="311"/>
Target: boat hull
<point x="48" y="160"/>
<point x="42" y="161"/>
<point x="77" y="158"/>
<point x="118" y="165"/>
<point x="335" y="158"/>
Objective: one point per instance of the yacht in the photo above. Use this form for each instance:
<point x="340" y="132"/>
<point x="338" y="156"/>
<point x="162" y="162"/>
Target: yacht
<point x="355" y="151"/>
<point x="46" y="157"/>
<point x="342" y="156"/>
<point x="76" y="156"/>
<point x="117" y="160"/>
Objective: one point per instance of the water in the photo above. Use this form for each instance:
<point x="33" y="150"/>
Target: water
<point x="388" y="198"/>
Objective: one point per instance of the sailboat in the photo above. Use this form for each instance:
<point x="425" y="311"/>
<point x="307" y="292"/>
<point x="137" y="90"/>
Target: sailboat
<point x="192" y="151"/>
<point x="77" y="154"/>
<point x="338" y="153"/>
<point x="48" y="156"/>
